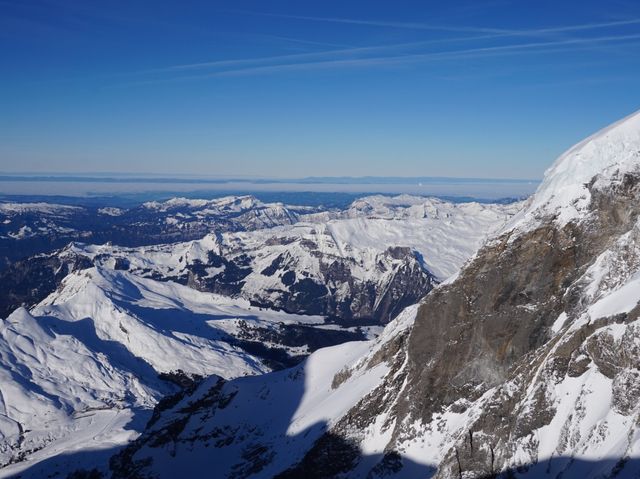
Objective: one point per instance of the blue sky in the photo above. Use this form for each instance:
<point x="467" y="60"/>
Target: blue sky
<point x="295" y="88"/>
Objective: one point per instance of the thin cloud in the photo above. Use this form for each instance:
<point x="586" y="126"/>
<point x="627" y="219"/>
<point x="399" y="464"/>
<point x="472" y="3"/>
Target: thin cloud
<point x="560" y="46"/>
<point x="351" y="51"/>
<point x="351" y="21"/>
<point x="452" y="28"/>
<point x="407" y="59"/>
<point x="305" y="42"/>
<point x="391" y="54"/>
<point x="378" y="49"/>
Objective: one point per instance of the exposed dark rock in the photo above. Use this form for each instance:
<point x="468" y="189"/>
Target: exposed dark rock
<point x="29" y="281"/>
<point x="472" y="332"/>
<point x="482" y="330"/>
<point x="330" y="456"/>
<point x="85" y="474"/>
<point x="273" y="267"/>
<point x="288" y="278"/>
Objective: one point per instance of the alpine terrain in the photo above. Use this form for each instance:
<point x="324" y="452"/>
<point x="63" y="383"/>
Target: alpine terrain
<point x="314" y="240"/>
<point x="98" y="340"/>
<point x="526" y="363"/>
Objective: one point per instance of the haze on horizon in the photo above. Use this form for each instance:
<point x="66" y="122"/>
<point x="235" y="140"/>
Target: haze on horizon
<point x="290" y="89"/>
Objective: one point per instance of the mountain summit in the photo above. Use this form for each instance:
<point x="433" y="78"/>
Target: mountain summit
<point x="605" y="157"/>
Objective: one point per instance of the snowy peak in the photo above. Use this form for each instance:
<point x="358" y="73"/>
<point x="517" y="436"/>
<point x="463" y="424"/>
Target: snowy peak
<point x="36" y="208"/>
<point x="229" y="203"/>
<point x="130" y="317"/>
<point x="108" y="344"/>
<point x="598" y="161"/>
<point x="419" y="207"/>
<point x="335" y="263"/>
<point x="343" y="267"/>
<point x="241" y="212"/>
<point x="168" y="326"/>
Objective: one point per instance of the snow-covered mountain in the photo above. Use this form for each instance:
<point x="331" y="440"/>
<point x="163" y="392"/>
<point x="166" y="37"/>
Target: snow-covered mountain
<point x="28" y="220"/>
<point x="525" y="364"/>
<point x="246" y="212"/>
<point x="48" y="217"/>
<point x="114" y="331"/>
<point x="29" y="228"/>
<point x="32" y="228"/>
<point x="361" y="265"/>
<point x="444" y="234"/>
<point x="264" y="424"/>
<point x="107" y="345"/>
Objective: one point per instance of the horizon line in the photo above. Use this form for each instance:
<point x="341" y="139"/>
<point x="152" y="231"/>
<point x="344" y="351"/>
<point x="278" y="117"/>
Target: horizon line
<point x="112" y="177"/>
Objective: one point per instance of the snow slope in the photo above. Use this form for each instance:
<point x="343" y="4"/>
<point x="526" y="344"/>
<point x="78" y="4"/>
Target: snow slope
<point x="89" y="356"/>
<point x="565" y="192"/>
<point x="258" y="426"/>
<point x="444" y="234"/>
<point x="52" y="379"/>
<point x="167" y="325"/>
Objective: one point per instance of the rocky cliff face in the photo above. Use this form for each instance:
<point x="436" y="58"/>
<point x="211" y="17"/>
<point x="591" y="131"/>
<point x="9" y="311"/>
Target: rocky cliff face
<point x="488" y="340"/>
<point x="504" y="364"/>
<point x="527" y="363"/>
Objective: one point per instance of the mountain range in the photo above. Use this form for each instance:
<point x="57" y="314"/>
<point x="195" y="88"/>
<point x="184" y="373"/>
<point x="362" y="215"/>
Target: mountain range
<point x="400" y="337"/>
<point x="523" y="364"/>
